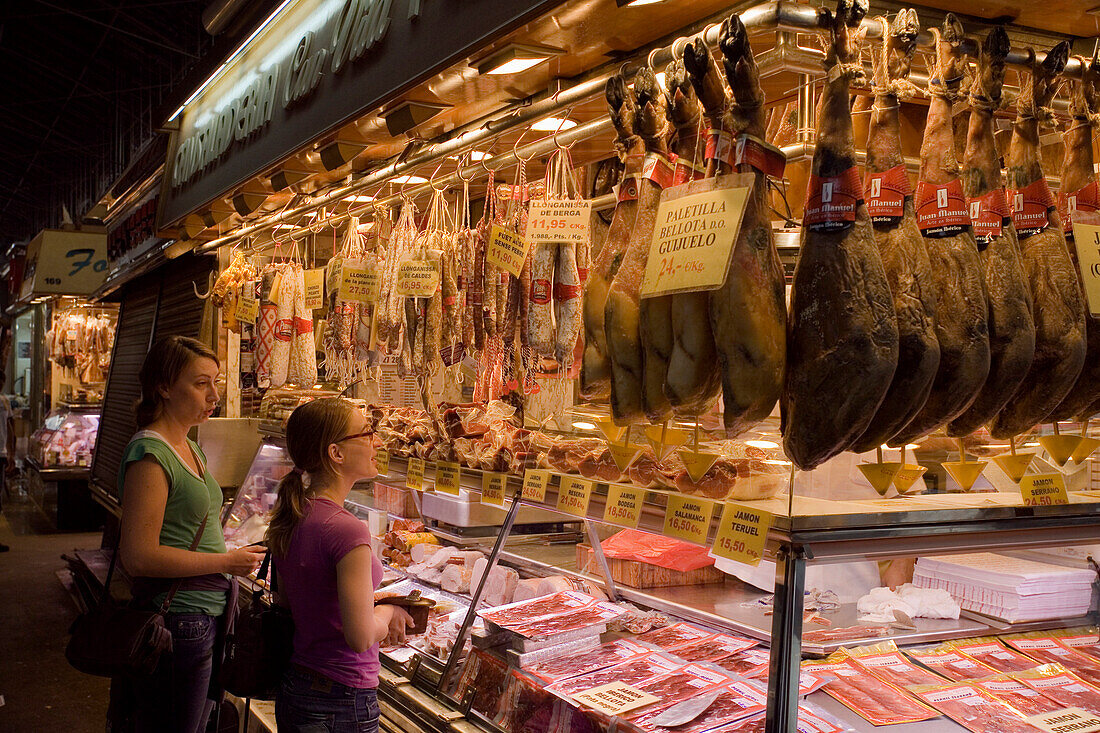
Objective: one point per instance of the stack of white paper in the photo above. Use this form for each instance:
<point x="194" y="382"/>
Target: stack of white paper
<point x="1009" y="588"/>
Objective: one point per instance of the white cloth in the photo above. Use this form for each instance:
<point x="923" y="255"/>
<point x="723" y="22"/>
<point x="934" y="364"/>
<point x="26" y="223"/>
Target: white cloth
<point x="879" y="605"/>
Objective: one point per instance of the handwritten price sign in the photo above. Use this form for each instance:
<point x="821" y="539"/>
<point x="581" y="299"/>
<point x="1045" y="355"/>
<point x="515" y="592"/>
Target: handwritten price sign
<point x="558" y="221"/>
<point x="1044" y="489"/>
<point x="742" y="534"/>
<point x="248" y="307"/>
<point x="382" y="462"/>
<point x="697" y="226"/>
<point x="414" y="476"/>
<point x="624" y="506"/>
<point x="418" y="278"/>
<point x="492" y="488"/>
<point x="687" y="518"/>
<point x="534" y="484"/>
<point x="315" y="288"/>
<point x="573" y="496"/>
<point x="506" y="250"/>
<point x="447" y="478"/>
<point x="357" y="283"/>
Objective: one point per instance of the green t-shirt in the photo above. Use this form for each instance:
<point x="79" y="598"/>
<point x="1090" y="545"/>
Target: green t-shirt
<point x="190" y="497"/>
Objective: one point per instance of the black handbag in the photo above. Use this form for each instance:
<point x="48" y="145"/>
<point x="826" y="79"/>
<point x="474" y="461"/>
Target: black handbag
<point x="257" y="650"/>
<point x="112" y="640"/>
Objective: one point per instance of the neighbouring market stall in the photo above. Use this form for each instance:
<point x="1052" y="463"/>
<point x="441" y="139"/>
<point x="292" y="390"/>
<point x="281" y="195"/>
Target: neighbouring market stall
<point x="671" y="373"/>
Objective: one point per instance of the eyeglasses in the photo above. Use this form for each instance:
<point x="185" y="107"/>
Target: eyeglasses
<point x="364" y="434"/>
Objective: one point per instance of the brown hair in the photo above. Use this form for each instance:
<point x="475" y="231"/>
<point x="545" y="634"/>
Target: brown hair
<point x="311" y="429"/>
<point x="163" y="365"/>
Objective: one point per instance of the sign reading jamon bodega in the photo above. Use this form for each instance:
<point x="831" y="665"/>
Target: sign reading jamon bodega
<point x="697" y="227"/>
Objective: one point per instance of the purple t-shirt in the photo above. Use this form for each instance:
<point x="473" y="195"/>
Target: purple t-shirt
<point x="307" y="580"/>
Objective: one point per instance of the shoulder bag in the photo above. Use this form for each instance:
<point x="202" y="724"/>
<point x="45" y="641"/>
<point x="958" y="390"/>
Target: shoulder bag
<point x="113" y="640"/>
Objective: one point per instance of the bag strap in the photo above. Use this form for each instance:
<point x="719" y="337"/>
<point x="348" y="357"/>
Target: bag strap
<point x="261" y="576"/>
<point x="176" y="585"/>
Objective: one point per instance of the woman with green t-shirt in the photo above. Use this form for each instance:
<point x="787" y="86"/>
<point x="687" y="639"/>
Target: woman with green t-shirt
<point x="167" y="492"/>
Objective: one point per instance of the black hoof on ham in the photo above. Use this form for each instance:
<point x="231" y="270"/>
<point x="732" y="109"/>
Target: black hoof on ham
<point x="996" y="44"/>
<point x="1055" y="62"/>
<point x="952" y="30"/>
<point x="733" y="39"/>
<point x="615" y="91"/>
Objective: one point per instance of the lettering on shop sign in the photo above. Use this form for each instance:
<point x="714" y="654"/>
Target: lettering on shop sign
<point x="615" y="698"/>
<point x="418" y="278"/>
<point x="742" y="534"/>
<point x="359" y="27"/>
<point x="382" y="462"/>
<point x="558" y="221"/>
<point x="506" y="250"/>
<point x="1044" y="489"/>
<point x="687" y="518"/>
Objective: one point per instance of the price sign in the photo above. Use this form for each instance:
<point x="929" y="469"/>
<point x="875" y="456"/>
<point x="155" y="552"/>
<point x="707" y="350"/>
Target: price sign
<point x="693" y="240"/>
<point x="414" y="476"/>
<point x="534" y="484"/>
<point x="357" y="283"/>
<point x="382" y="462"/>
<point x="688" y="518"/>
<point x="1066" y="720"/>
<point x="558" y="221"/>
<point x="573" y="496"/>
<point x="447" y="478"/>
<point x="742" y="533"/>
<point x="624" y="506"/>
<point x="1087" y="239"/>
<point x="418" y="278"/>
<point x="1044" y="489"/>
<point x="506" y="250"/>
<point x="492" y="488"/>
<point x="248" y="307"/>
<point x="315" y="288"/>
<point x="615" y="698"/>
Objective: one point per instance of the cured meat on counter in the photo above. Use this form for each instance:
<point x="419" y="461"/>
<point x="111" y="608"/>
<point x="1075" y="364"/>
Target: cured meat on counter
<point x="974" y="708"/>
<point x="842" y="328"/>
<point x="877" y="702"/>
<point x="596" y="364"/>
<point x="994" y="654"/>
<point x="1059" y="306"/>
<point x="890" y="665"/>
<point x="572" y="665"/>
<point x="1018" y="695"/>
<point x="692" y="378"/>
<point x="713" y="649"/>
<point x="631" y="672"/>
<point x="677" y="635"/>
<point x="950" y="664"/>
<point x="748" y="313"/>
<point x="1079" y="183"/>
<point x="1062" y="686"/>
<point x="630" y="402"/>
<point x="1011" y="325"/>
<point x="962" y="310"/>
<point x="734" y="702"/>
<point x="904" y="255"/>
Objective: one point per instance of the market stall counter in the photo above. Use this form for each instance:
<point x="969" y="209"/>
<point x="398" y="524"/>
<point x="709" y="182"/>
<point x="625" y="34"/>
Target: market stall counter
<point x="58" y="465"/>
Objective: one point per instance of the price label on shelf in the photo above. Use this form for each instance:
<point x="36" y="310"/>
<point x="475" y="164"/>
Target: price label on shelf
<point x="534" y="484"/>
<point x="624" y="506"/>
<point x="742" y="533"/>
<point x="574" y="495"/>
<point x="506" y="250"/>
<point x="447" y="478"/>
<point x="248" y="307"/>
<point x="414" y="476"/>
<point x="558" y="221"/>
<point x="418" y="278"/>
<point x="615" y="698"/>
<point x="358" y="284"/>
<point x="492" y="488"/>
<point x="1044" y="489"/>
<point x="382" y="462"/>
<point x="688" y="518"/>
<point x="315" y="288"/>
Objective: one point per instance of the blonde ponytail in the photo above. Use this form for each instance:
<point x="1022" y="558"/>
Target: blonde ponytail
<point x="290" y="507"/>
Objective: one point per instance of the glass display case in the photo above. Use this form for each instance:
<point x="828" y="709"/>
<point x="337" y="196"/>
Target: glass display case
<point x="67" y="437"/>
<point x="246" y="519"/>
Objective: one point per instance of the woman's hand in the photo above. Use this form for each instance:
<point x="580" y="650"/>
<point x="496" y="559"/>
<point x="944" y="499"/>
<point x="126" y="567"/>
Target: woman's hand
<point x="244" y="561"/>
<point x="400" y="621"/>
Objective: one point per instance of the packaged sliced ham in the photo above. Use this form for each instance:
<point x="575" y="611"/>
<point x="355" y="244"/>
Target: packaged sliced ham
<point x="678" y="686"/>
<point x="877" y="702"/>
<point x="847" y="633"/>
<point x="1062" y="686"/>
<point x="631" y="672"/>
<point x="811" y="719"/>
<point x="525" y="611"/>
<point x="749" y="663"/>
<point x="973" y="708"/>
<point x="734" y="702"/>
<point x="608" y="655"/>
<point x="890" y="665"/>
<point x="992" y="653"/>
<point x="677" y="635"/>
<point x="593" y="614"/>
<point x="1083" y="641"/>
<point x="1049" y="650"/>
<point x="713" y="649"/>
<point x="949" y="663"/>
<point x="485" y="675"/>
<point x="1018" y="695"/>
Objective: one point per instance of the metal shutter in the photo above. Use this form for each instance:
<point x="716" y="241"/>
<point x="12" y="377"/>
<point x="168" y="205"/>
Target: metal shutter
<point x="158" y="304"/>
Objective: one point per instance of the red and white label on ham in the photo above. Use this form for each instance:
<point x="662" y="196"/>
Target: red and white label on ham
<point x="686" y="171"/>
<point x="941" y="209"/>
<point x="1030" y="206"/>
<point x="719" y="145"/>
<point x="886" y="192"/>
<point x="659" y="169"/>
<point x="1085" y="199"/>
<point x="831" y="201"/>
<point x="989" y="213"/>
<point x="745" y="150"/>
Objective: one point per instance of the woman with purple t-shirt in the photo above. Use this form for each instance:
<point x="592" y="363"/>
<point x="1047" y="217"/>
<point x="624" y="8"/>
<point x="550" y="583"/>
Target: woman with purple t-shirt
<point x="327" y="575"/>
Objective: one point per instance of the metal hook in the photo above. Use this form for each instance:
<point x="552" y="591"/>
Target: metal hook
<point x="565" y="116"/>
<point x="515" y="147"/>
<point x="466" y="159"/>
<point x="431" y="178"/>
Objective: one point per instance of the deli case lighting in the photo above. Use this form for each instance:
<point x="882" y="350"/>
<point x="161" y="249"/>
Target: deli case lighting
<point x="515" y="58"/>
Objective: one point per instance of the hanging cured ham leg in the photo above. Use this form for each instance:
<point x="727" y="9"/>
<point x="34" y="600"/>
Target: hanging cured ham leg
<point x="1055" y="292"/>
<point x="962" y="327"/>
<point x="629" y="401"/>
<point x="904" y="257"/>
<point x="748" y="313"/>
<point x="693" y="379"/>
<point x="1011" y="326"/>
<point x="1079" y="186"/>
<point x="596" y="366"/>
<point x="842" y="329"/>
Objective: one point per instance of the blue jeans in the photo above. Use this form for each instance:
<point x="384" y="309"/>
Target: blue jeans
<point x="310" y="703"/>
<point x="174" y="698"/>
